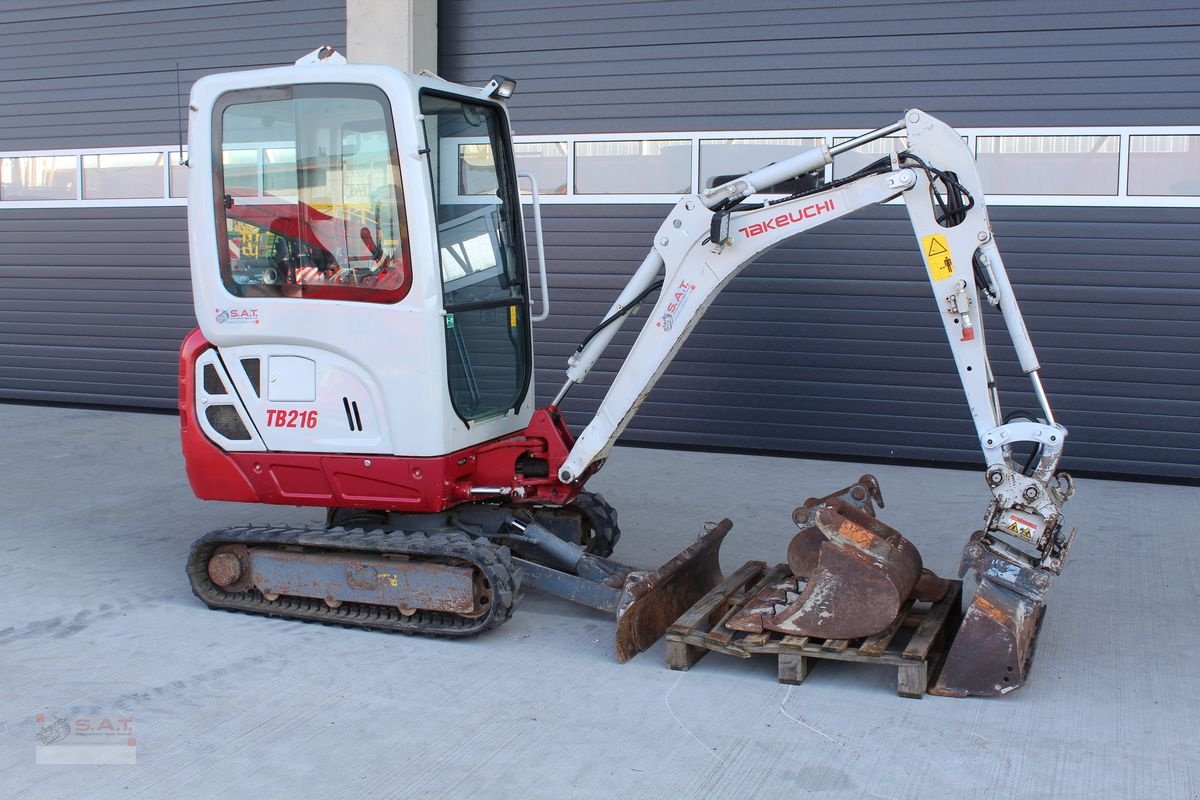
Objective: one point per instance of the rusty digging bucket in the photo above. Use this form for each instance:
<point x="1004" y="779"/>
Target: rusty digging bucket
<point x="856" y="574"/>
<point x="651" y="601"/>
<point x="993" y="650"/>
<point x="859" y="570"/>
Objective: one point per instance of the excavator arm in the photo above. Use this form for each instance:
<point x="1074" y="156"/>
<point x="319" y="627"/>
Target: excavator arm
<point x="709" y="238"/>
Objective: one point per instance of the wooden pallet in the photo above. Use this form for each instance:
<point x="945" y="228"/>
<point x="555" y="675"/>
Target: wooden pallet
<point x="913" y="643"/>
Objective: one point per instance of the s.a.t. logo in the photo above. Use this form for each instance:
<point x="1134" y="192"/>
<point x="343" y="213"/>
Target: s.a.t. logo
<point x="682" y="292"/>
<point x="236" y="315"/>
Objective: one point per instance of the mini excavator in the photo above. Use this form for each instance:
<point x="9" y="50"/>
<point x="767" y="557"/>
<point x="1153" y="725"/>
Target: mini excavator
<point x="358" y="262"/>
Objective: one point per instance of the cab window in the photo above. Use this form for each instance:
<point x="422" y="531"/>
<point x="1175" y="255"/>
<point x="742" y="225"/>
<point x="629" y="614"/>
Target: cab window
<point x="308" y="195"/>
<point x="481" y="255"/>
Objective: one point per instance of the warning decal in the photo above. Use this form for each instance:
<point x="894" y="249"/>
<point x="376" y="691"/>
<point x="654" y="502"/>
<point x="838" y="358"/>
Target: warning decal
<point x="937" y="256"/>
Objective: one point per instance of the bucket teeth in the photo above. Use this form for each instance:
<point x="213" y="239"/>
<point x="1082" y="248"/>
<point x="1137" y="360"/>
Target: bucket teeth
<point x="768" y="601"/>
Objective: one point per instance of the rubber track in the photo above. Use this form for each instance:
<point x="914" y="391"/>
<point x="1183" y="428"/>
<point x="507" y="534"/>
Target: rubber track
<point x="493" y="561"/>
<point x="604" y="522"/>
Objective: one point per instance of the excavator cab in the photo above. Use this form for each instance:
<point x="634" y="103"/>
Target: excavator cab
<point x="359" y="266"/>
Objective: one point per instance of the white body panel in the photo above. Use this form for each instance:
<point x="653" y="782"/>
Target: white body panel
<point x="346" y="412"/>
<point x="391" y="354"/>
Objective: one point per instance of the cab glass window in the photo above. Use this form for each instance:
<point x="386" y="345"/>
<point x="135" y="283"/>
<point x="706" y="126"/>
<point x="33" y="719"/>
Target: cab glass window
<point x="308" y="195"/>
<point x="481" y="253"/>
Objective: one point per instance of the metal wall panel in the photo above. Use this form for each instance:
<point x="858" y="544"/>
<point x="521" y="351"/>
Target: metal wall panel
<point x="93" y="304"/>
<point x="776" y="64"/>
<point x="104" y="74"/>
<point x="95" y="301"/>
<point x="832" y="344"/>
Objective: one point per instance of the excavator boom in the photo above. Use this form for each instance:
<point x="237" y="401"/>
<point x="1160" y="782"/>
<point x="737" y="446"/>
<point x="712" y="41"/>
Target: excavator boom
<point x="709" y="238"/>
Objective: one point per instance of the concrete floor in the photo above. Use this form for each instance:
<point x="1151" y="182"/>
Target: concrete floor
<point x="96" y="619"/>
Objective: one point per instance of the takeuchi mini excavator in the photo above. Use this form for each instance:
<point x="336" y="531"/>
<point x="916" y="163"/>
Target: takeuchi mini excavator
<point x="358" y="259"/>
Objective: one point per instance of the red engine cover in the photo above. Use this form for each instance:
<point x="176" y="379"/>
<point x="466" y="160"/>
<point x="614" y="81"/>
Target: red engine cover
<point x="386" y="482"/>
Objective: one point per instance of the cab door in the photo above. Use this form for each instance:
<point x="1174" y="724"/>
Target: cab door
<point x="481" y="255"/>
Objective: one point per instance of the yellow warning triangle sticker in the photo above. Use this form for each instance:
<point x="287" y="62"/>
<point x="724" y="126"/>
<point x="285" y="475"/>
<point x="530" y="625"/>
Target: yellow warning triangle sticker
<point x="937" y="256"/>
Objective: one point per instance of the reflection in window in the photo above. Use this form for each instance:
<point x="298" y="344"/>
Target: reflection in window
<point x="279" y="172"/>
<point x="469" y="248"/>
<point x="633" y="167"/>
<point x="1070" y="165"/>
<point x="328" y="222"/>
<point x="547" y="162"/>
<point x="120" y="176"/>
<point x="38" y="178"/>
<point x="476" y="169"/>
<point x="722" y="160"/>
<point x="1164" y="165"/>
<point x="850" y="162"/>
<point x="241" y="172"/>
<point x="179" y="173"/>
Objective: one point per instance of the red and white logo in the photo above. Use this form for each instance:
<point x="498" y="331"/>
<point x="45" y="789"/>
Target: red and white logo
<point x="236" y="315"/>
<point x="682" y="292"/>
<point x="783" y="220"/>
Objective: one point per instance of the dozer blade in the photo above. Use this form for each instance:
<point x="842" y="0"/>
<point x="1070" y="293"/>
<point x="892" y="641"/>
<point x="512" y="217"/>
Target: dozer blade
<point x="652" y="601"/>
<point x="863" y="572"/>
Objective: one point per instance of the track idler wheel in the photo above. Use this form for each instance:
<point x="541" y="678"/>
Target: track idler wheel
<point x="229" y="567"/>
<point x="859" y="570"/>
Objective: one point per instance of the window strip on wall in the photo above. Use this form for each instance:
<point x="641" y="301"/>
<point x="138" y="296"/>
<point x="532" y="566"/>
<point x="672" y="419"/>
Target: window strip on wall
<point x="1113" y="166"/>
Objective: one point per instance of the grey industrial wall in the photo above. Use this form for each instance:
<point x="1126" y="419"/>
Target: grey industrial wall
<point x="833" y="344"/>
<point x="830" y="345"/>
<point x="95" y="301"/>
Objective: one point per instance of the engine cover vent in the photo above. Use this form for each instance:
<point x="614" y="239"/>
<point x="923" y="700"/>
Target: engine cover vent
<point x="212" y="381"/>
<point x="226" y="421"/>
